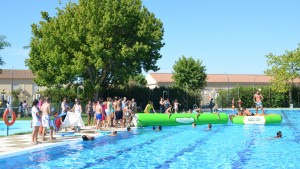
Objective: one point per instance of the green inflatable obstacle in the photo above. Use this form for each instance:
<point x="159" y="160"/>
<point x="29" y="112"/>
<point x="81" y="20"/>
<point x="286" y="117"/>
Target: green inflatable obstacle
<point x="267" y="119"/>
<point x="142" y="119"/>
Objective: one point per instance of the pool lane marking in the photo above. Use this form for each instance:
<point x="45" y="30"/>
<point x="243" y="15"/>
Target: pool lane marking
<point x="120" y="152"/>
<point x="242" y="154"/>
<point x="190" y="148"/>
<point x="292" y="126"/>
<point x="243" y="159"/>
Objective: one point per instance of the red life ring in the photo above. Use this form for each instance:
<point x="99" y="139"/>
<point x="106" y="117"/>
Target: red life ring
<point x="13" y="115"/>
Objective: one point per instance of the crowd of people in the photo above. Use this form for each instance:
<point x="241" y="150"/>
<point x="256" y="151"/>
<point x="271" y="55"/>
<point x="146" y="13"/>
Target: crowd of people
<point x="115" y="112"/>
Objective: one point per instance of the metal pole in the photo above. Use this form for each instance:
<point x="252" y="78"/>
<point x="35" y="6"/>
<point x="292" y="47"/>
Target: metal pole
<point x="12" y="84"/>
<point x="227" y="90"/>
<point x="238" y="90"/>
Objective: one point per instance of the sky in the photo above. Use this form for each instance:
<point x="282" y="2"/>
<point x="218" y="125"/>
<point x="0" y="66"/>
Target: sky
<point x="228" y="36"/>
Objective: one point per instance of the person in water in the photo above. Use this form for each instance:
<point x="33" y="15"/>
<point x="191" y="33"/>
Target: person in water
<point x="114" y="133"/>
<point x="87" y="138"/>
<point x="194" y="124"/>
<point x="209" y="127"/>
<point x="278" y="134"/>
<point x="159" y="128"/>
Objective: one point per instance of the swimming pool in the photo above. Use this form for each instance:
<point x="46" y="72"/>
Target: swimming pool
<point x="20" y="126"/>
<point x="225" y="146"/>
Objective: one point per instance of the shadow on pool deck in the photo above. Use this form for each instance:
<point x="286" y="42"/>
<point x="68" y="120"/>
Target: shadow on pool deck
<point x="18" y="143"/>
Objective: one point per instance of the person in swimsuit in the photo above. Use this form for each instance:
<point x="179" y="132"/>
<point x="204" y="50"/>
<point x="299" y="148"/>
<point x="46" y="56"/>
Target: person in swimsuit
<point x="194" y="124"/>
<point x="176" y="105"/>
<point x="169" y="110"/>
<point x="162" y="105"/>
<point x="247" y="112"/>
<point x="257" y="98"/>
<point x="46" y="121"/>
<point x="109" y="111"/>
<point x="90" y="112"/>
<point x="87" y="138"/>
<point x="127" y="112"/>
<point x="119" y="113"/>
<point x="208" y="127"/>
<point x="65" y="109"/>
<point x="113" y="133"/>
<point x="278" y="134"/>
<point x="98" y="114"/>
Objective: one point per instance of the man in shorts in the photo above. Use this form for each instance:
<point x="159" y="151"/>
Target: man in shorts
<point x="98" y="114"/>
<point x="46" y="121"/>
<point x="257" y="98"/>
<point x="119" y="112"/>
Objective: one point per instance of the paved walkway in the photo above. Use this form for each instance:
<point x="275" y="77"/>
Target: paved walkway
<point x="17" y="144"/>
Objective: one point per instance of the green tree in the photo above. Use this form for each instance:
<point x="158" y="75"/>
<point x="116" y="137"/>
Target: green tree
<point x="138" y="80"/>
<point x="189" y="74"/>
<point x="3" y="44"/>
<point x="284" y="69"/>
<point x="102" y="42"/>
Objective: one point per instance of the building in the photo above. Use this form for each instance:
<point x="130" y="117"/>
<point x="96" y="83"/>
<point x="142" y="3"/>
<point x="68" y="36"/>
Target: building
<point x="215" y="82"/>
<point x="22" y="80"/>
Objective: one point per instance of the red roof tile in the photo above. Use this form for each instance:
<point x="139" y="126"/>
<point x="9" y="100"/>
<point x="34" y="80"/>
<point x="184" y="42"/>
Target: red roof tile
<point x="17" y="74"/>
<point x="214" y="78"/>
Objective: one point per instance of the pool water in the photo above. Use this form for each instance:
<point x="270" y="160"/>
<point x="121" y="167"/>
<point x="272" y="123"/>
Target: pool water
<point x="20" y="126"/>
<point x="225" y="146"/>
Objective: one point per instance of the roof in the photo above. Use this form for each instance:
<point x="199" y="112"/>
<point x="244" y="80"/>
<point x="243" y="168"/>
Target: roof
<point x="217" y="78"/>
<point x="16" y="74"/>
<point x="238" y="78"/>
<point x="162" y="77"/>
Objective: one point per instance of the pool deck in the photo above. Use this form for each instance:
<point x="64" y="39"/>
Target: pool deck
<point x="18" y="144"/>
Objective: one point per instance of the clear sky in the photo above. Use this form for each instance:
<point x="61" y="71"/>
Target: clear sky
<point x="231" y="36"/>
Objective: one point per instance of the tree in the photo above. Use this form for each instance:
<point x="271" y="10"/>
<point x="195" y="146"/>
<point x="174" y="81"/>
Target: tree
<point x="138" y="80"/>
<point x="3" y="44"/>
<point x="189" y="74"/>
<point x="284" y="69"/>
<point x="102" y="42"/>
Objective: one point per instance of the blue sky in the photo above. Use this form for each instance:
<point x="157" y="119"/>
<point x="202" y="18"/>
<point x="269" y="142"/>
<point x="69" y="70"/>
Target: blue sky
<point x="231" y="36"/>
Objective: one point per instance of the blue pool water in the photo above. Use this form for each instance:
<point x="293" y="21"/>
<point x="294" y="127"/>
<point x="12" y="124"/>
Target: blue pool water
<point x="19" y="126"/>
<point x="225" y="146"/>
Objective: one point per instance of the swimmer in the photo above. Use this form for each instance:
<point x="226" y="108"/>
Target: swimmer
<point x="278" y="134"/>
<point x="159" y="128"/>
<point x="114" y="133"/>
<point x="86" y="138"/>
<point x="209" y="127"/>
<point x="128" y="129"/>
<point x="194" y="124"/>
<point x="153" y="128"/>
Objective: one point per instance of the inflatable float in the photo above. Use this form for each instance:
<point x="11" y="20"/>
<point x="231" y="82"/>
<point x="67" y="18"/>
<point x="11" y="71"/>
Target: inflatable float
<point x="56" y="122"/>
<point x="266" y="119"/>
<point x="142" y="119"/>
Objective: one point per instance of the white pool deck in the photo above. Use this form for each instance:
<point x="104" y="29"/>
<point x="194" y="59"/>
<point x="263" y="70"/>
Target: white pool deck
<point x="20" y="144"/>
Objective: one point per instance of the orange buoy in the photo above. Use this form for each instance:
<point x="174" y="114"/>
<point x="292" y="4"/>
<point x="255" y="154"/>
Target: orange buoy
<point x="5" y="117"/>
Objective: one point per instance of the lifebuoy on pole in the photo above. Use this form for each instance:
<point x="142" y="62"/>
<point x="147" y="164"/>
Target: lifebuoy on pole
<point x="5" y="117"/>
